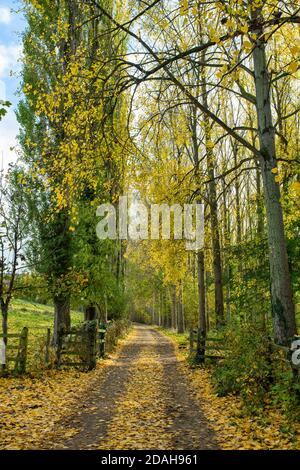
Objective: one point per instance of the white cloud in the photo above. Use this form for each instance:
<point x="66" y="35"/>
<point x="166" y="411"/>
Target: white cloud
<point x="9" y="56"/>
<point x="2" y="90"/>
<point x="5" y="15"/>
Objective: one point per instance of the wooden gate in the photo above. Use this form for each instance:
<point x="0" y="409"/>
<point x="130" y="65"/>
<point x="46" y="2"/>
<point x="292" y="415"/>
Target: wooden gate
<point x="14" y="351"/>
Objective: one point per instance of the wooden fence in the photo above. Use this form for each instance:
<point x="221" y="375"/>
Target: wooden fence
<point x="79" y="347"/>
<point x="204" y="347"/>
<point x="214" y="348"/>
<point x="14" y="351"/>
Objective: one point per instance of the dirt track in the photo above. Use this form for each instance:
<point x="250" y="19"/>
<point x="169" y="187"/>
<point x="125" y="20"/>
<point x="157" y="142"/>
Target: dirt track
<point x="143" y="401"/>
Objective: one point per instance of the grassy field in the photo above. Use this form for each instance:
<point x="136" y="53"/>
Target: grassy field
<point x="37" y="318"/>
<point x="34" y="316"/>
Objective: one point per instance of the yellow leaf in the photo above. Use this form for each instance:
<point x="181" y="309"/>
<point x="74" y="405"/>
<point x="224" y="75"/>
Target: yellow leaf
<point x="247" y="46"/>
<point x="230" y="24"/>
<point x="295" y="187"/>
<point x="215" y="38"/>
<point x="295" y="49"/>
<point x="184" y="7"/>
<point x="293" y="67"/>
<point x="244" y="28"/>
<point x="274" y="170"/>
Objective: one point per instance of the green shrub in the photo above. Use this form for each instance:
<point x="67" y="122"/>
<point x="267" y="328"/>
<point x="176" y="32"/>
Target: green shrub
<point x="247" y="368"/>
<point x="257" y="372"/>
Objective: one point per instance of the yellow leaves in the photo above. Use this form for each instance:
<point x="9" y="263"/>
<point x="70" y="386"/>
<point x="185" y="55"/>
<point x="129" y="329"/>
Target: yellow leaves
<point x="184" y="7"/>
<point x="140" y="421"/>
<point x="268" y="36"/>
<point x="230" y="24"/>
<point x="72" y="164"/>
<point x="31" y="409"/>
<point x="235" y="430"/>
<point x="274" y="170"/>
<point x="195" y="10"/>
<point x="221" y="72"/>
<point x="184" y="43"/>
<point x="256" y="4"/>
<point x="293" y="67"/>
<point x="210" y="145"/>
<point x="214" y="37"/>
<point x="70" y="433"/>
<point x="295" y="50"/>
<point x="244" y="28"/>
<point x="247" y="46"/>
<point x="295" y="188"/>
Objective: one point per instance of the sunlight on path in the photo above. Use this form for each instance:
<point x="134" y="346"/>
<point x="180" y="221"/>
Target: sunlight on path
<point x="140" y="421"/>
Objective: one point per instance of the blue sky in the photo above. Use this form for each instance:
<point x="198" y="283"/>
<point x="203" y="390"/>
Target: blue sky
<point x="12" y="24"/>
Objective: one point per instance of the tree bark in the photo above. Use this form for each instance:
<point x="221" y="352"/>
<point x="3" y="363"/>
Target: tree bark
<point x="214" y="221"/>
<point x="90" y="313"/>
<point x="201" y="293"/>
<point x="174" y="308"/>
<point x="259" y="209"/>
<point x="62" y="317"/>
<point x="283" y="312"/>
<point x="180" y="312"/>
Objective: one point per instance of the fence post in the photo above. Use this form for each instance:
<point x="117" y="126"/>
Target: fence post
<point x="102" y="331"/>
<point x="20" y="366"/>
<point x="91" y="339"/>
<point x="59" y="348"/>
<point x="200" y="355"/>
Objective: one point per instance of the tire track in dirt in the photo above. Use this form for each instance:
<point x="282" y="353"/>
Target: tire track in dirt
<point x="144" y="401"/>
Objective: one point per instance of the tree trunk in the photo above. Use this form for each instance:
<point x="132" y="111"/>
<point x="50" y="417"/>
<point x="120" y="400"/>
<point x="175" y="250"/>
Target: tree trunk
<point x="283" y="312"/>
<point x="259" y="209"/>
<point x="153" y="309"/>
<point x="201" y="293"/>
<point x="180" y="312"/>
<point x="62" y="318"/>
<point x="90" y="313"/>
<point x="174" y="308"/>
<point x="212" y="192"/>
<point x="226" y="256"/>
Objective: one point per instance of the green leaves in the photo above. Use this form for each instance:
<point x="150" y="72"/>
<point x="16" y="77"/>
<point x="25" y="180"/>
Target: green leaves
<point x="3" y="106"/>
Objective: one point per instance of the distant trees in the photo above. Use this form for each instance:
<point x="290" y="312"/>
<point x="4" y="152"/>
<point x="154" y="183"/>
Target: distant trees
<point x="214" y="118"/>
<point x="13" y="237"/>
<point x="234" y="45"/>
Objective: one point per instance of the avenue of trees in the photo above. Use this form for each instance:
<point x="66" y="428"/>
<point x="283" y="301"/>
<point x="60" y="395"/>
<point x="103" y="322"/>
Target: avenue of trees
<point x="178" y="102"/>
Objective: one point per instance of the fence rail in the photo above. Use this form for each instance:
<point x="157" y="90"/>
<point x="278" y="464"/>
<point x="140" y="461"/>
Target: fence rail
<point x="200" y="344"/>
<point x="20" y="358"/>
<point x="79" y="347"/>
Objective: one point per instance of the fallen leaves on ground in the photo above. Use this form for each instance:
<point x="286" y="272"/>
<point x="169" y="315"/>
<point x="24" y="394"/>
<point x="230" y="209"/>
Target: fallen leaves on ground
<point x="141" y="421"/>
<point x="235" y="430"/>
<point x="31" y="407"/>
<point x="33" y="410"/>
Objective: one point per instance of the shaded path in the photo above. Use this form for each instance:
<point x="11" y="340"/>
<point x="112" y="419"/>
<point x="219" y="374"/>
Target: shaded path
<point x="143" y="401"/>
